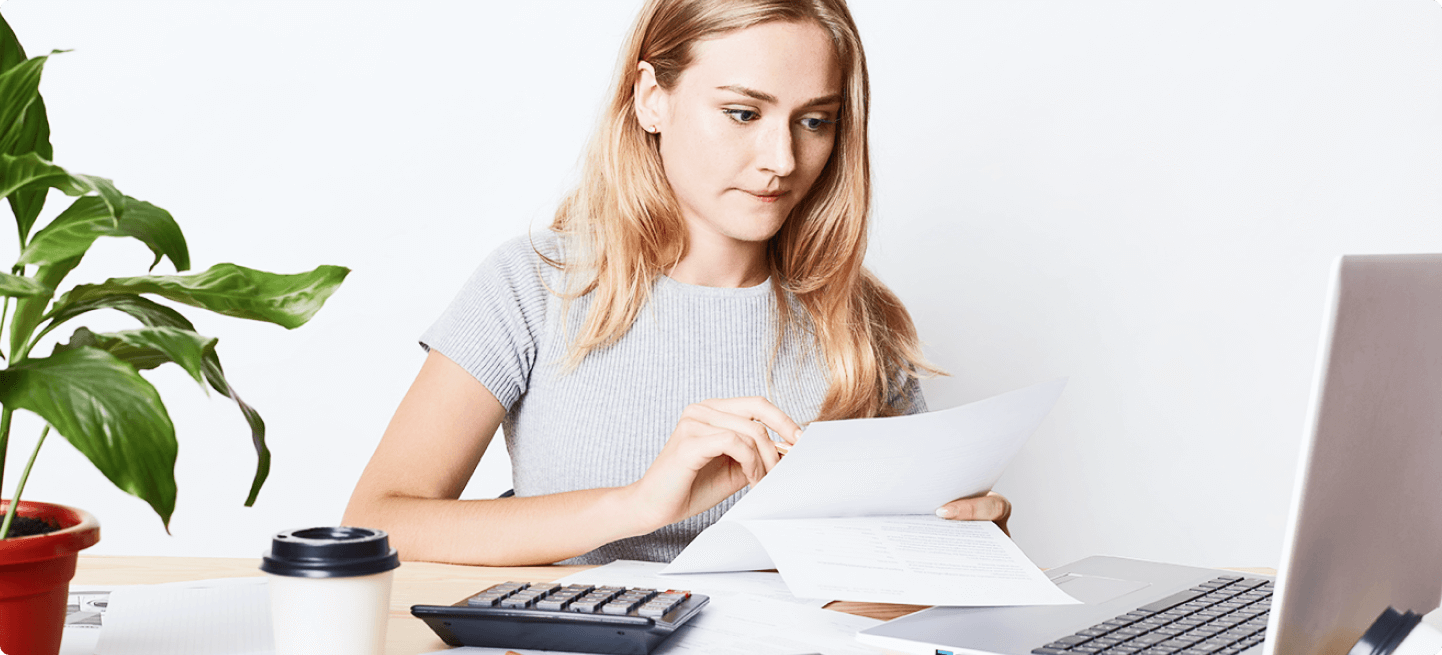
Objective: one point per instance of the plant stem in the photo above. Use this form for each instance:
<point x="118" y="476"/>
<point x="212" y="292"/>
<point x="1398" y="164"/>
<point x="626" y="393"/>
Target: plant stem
<point x="4" y="439"/>
<point x="15" y="501"/>
<point x="4" y="314"/>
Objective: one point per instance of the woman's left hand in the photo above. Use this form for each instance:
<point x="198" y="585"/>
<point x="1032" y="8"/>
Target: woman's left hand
<point x="992" y="507"/>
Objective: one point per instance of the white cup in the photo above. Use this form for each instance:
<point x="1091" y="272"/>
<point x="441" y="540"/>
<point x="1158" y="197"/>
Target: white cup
<point x="330" y="590"/>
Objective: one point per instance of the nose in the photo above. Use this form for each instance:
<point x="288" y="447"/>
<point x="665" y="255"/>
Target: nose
<point x="776" y="150"/>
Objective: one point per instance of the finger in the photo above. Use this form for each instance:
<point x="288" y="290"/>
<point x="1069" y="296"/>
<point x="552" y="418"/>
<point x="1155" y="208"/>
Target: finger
<point x="739" y="448"/>
<point x="760" y="409"/>
<point x="991" y="507"/>
<point x="743" y="426"/>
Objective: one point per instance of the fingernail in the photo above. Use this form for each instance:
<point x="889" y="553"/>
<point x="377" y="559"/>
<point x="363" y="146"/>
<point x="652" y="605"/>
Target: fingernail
<point x="796" y="436"/>
<point x="944" y="512"/>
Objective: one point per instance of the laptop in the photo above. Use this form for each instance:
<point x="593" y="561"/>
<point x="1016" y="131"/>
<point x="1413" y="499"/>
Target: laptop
<point x="1364" y="531"/>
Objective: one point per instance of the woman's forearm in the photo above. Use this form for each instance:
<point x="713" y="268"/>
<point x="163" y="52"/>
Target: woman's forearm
<point x="502" y="531"/>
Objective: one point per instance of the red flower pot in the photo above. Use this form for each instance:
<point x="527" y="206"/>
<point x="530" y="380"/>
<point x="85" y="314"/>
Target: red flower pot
<point x="35" y="577"/>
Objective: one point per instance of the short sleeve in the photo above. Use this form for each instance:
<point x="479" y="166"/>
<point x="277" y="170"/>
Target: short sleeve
<point x="493" y="326"/>
<point x="908" y="398"/>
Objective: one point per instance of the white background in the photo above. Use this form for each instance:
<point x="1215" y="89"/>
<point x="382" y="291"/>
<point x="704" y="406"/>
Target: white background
<point x="1145" y="196"/>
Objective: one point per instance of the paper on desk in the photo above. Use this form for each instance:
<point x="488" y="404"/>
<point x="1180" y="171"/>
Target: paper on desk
<point x="84" y="616"/>
<point x="227" y="616"/>
<point x="631" y="573"/>
<point x="876" y="467"/>
<point x="743" y="624"/>
<point x="923" y="560"/>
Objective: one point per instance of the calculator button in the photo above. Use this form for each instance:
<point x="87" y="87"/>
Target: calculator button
<point x="616" y="607"/>
<point x="483" y="600"/>
<point x="519" y="601"/>
<point x="585" y="606"/>
<point x="552" y="604"/>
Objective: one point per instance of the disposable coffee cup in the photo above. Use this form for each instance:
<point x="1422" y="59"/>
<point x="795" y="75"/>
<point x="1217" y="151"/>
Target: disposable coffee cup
<point x="330" y="590"/>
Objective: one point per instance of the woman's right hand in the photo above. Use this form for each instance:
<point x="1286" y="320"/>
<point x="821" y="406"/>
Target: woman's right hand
<point x="718" y="447"/>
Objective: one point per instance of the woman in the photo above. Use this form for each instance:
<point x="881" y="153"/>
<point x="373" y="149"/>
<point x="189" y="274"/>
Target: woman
<point x="702" y="285"/>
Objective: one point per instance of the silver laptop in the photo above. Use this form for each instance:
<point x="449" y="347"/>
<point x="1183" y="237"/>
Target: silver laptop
<point x="1365" y="528"/>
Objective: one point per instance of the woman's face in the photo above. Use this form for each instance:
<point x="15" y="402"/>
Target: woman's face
<point x="748" y="128"/>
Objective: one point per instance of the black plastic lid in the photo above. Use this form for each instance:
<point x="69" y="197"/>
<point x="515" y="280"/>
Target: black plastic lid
<point x="329" y="553"/>
<point x="1386" y="633"/>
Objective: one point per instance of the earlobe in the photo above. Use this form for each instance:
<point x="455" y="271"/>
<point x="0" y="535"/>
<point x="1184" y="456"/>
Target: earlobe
<point x="647" y="98"/>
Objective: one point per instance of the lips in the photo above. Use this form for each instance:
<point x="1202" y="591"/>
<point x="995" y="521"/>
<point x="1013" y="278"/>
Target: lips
<point x="768" y="196"/>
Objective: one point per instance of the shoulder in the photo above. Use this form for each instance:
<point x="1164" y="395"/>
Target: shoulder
<point x="524" y="263"/>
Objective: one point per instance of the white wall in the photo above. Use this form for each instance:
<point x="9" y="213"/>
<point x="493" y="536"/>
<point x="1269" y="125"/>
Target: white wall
<point x="1142" y="195"/>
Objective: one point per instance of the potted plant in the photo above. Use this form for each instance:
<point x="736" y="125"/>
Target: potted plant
<point x="88" y="388"/>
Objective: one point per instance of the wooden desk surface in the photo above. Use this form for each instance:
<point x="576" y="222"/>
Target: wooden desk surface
<point x="415" y="583"/>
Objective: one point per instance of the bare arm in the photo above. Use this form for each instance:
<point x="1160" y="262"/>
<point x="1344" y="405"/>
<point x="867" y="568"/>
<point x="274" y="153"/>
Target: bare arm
<point x="412" y="484"/>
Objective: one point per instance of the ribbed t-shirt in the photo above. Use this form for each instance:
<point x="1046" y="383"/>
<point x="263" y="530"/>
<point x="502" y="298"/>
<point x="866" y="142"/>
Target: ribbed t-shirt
<point x="602" y="423"/>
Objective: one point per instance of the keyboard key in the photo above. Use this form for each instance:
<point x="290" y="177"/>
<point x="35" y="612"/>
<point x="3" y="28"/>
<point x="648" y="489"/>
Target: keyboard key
<point x="1047" y="651"/>
<point x="1170" y="601"/>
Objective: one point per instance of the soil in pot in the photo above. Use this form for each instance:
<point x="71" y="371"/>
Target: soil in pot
<point x="25" y="526"/>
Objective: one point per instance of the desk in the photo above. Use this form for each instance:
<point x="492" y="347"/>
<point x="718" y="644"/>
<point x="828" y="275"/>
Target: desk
<point x="415" y="583"/>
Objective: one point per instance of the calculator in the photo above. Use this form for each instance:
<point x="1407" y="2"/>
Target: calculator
<point x="576" y="617"/>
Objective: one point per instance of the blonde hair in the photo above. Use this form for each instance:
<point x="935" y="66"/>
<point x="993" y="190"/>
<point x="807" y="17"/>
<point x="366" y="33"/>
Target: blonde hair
<point x="625" y="226"/>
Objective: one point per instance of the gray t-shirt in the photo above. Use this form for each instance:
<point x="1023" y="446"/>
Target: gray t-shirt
<point x="602" y="424"/>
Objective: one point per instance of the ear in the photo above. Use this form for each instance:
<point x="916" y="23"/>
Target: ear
<point x="650" y="99"/>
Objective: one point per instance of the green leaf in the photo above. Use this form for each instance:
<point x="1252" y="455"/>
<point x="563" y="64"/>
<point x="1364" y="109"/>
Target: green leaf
<point x="154" y="314"/>
<point x="149" y="347"/>
<point x="23" y="122"/>
<point x="19" y="89"/>
<point x="216" y="375"/>
<point x="148" y="312"/>
<point x="15" y="285"/>
<point x="29" y="311"/>
<point x="286" y="300"/>
<point x="33" y="135"/>
<point x="89" y="218"/>
<point x="108" y="412"/>
<point x="10" y="51"/>
<point x="30" y="171"/>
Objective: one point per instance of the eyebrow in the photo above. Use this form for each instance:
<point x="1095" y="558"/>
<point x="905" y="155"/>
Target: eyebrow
<point x="766" y="97"/>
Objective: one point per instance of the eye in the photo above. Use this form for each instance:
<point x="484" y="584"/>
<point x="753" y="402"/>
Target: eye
<point x="816" y="124"/>
<point x="741" y="115"/>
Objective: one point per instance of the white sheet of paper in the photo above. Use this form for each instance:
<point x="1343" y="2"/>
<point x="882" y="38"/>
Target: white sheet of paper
<point x="227" y="616"/>
<point x="83" y="623"/>
<point x="743" y="624"/>
<point x="876" y="467"/>
<point x="916" y="559"/>
<point x="631" y="573"/>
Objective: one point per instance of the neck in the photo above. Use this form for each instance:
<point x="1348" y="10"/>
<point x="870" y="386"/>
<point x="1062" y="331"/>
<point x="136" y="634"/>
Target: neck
<point x="721" y="262"/>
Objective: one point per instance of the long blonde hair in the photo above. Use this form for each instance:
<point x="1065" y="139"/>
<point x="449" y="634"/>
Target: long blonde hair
<point x="625" y="226"/>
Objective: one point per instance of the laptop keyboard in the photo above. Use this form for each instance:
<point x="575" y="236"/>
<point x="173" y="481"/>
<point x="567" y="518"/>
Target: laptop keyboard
<point x="1223" y="616"/>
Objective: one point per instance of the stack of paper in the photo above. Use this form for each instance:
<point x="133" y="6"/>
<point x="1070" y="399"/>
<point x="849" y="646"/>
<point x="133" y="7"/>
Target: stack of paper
<point x="849" y="513"/>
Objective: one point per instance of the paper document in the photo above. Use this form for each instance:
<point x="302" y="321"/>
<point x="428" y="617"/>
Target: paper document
<point x="228" y="616"/>
<point x="742" y="624"/>
<point x="84" y="616"/>
<point x="914" y="559"/>
<point x="876" y="467"/>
